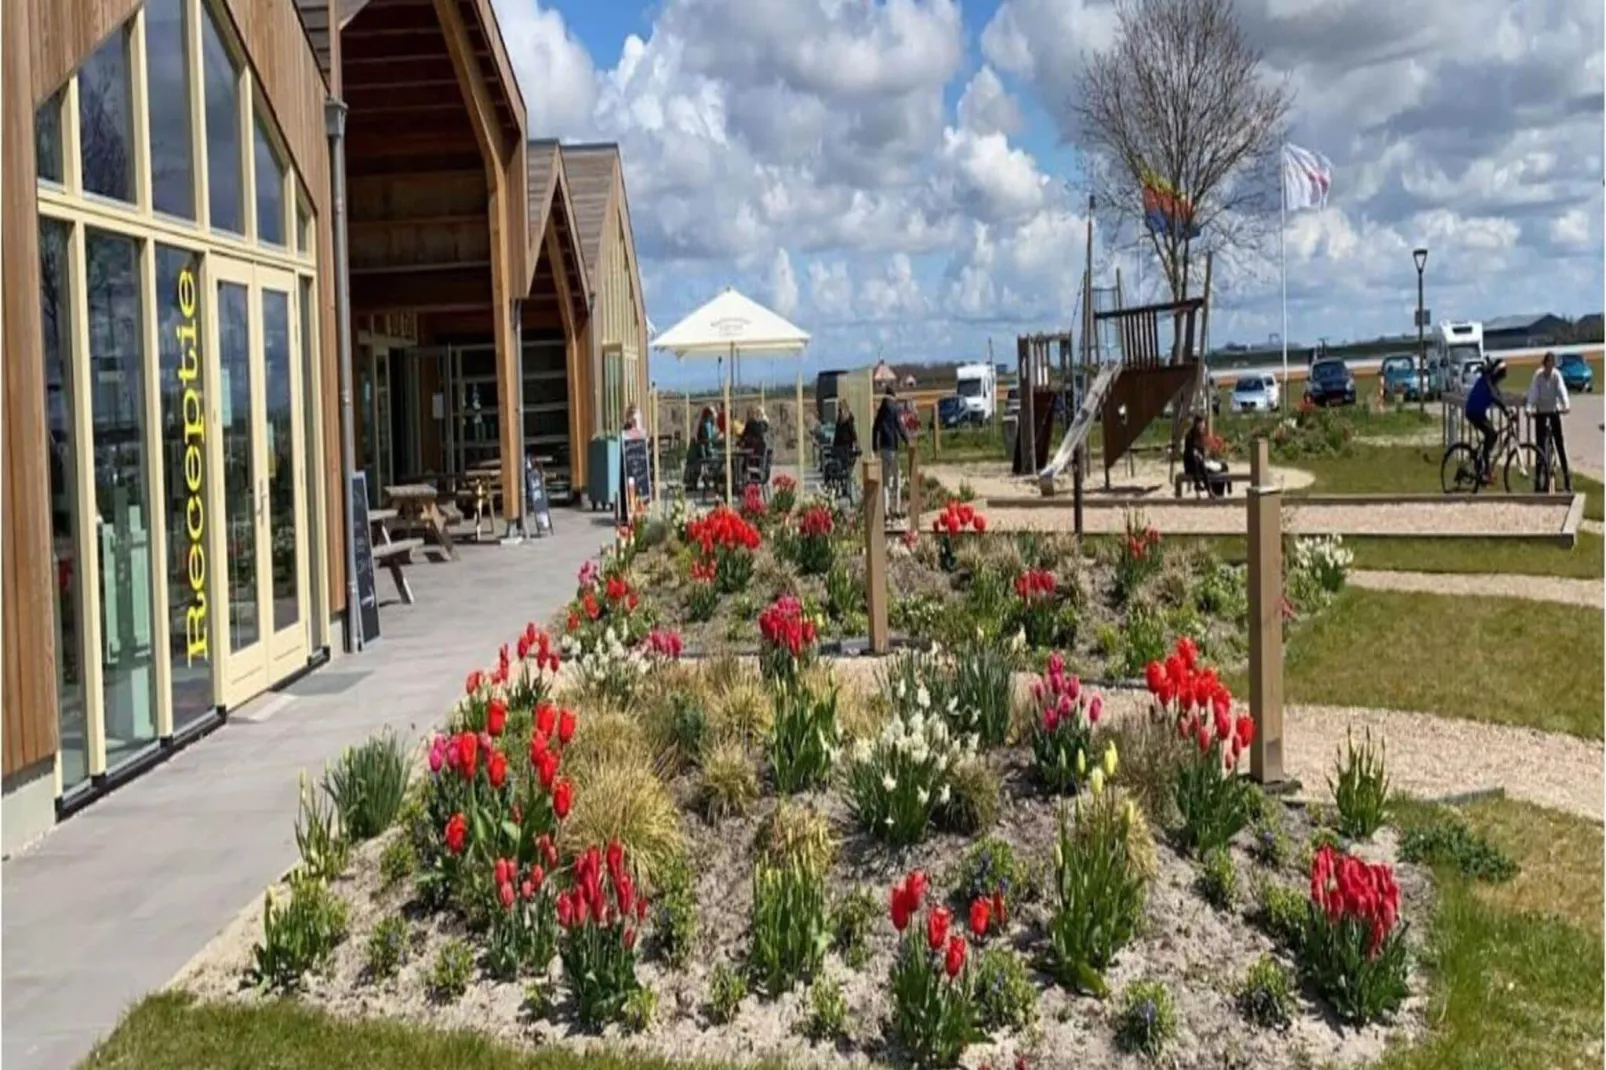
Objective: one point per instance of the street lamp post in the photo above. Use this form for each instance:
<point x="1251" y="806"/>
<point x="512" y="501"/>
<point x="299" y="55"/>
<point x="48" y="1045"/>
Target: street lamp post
<point x="1421" y="258"/>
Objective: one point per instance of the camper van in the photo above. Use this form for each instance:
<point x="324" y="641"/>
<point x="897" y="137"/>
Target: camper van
<point x="1456" y="348"/>
<point x="978" y="385"/>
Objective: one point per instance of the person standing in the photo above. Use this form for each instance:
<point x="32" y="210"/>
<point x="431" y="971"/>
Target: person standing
<point x="887" y="435"/>
<point x="1548" y="401"/>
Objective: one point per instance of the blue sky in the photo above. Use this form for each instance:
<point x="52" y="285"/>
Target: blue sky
<point x="891" y="173"/>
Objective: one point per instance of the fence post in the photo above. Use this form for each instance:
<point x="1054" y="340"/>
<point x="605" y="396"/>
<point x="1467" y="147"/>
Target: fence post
<point x="1265" y="618"/>
<point x="914" y="487"/>
<point x="802" y="435"/>
<point x="875" y="555"/>
<point x="657" y="470"/>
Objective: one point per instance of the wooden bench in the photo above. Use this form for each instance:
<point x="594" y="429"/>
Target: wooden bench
<point x="1220" y="483"/>
<point x="392" y="557"/>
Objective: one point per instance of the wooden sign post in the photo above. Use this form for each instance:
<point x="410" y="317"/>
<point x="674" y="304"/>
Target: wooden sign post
<point x="914" y="487"/>
<point x="875" y="556"/>
<point x="1265" y="618"/>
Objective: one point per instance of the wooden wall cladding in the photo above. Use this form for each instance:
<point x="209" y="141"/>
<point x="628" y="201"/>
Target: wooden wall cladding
<point x="28" y="682"/>
<point x="437" y="244"/>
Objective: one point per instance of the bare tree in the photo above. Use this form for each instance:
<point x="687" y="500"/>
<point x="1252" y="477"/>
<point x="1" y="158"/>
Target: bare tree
<point x="1181" y="96"/>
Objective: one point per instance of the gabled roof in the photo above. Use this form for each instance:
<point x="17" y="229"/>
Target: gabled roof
<point x="593" y="174"/>
<point x="1516" y="323"/>
<point x="548" y="190"/>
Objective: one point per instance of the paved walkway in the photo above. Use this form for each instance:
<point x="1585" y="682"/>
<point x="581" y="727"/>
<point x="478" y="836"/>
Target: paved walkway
<point x="116" y="899"/>
<point x="1587" y="593"/>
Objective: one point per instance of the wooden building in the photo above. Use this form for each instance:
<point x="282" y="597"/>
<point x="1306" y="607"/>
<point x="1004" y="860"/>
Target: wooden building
<point x="174" y="512"/>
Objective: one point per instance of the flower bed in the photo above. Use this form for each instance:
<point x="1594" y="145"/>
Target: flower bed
<point x="572" y="867"/>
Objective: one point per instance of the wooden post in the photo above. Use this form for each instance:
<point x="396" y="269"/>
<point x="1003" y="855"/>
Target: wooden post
<point x="657" y="469"/>
<point x="1076" y="491"/>
<point x="875" y="555"/>
<point x="730" y="427"/>
<point x="802" y="434"/>
<point x="1207" y="392"/>
<point x="914" y="487"/>
<point x="1025" y="420"/>
<point x="1265" y="618"/>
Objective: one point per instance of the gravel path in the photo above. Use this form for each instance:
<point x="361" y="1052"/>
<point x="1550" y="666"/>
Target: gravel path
<point x="1464" y="517"/>
<point x="1587" y="593"/>
<point x="1141" y="479"/>
<point x="1594" y="527"/>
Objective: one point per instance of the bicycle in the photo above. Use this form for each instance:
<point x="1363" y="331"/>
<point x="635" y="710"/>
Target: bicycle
<point x="1522" y="468"/>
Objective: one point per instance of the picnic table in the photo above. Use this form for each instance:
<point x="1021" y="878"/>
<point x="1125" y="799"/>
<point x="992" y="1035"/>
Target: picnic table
<point x="418" y="506"/>
<point x="392" y="554"/>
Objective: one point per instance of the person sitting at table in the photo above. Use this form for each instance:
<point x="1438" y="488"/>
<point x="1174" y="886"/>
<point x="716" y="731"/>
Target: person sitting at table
<point x="756" y="432"/>
<point x="701" y="453"/>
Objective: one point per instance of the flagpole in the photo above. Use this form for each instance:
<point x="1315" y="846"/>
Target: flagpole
<point x="1282" y="250"/>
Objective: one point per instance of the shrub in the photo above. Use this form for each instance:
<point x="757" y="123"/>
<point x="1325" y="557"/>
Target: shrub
<point x="828" y="1011"/>
<point x="726" y="990"/>
<point x="729" y="784"/>
<point x="850" y="926"/>
<point x="320" y="840"/>
<point x="1447" y="841"/>
<point x="1361" y="789"/>
<point x="933" y="1009"/>
<point x="523" y="922"/>
<point x="451" y="971"/>
<point x="1215" y="803"/>
<point x="1352" y="948"/>
<point x="674" y="913"/>
<point x="803" y="739"/>
<point x="1005" y="996"/>
<point x="1062" y="732"/>
<point x="1100" y="892"/>
<point x="387" y="948"/>
<point x="599" y="916"/>
<point x="1145" y="1022"/>
<point x="1218" y="879"/>
<point x="1281" y="913"/>
<point x="983" y="690"/>
<point x="299" y="936"/>
<point x="990" y="871"/>
<point x="896" y="784"/>
<point x="814" y="549"/>
<point x="789" y="929"/>
<point x="1266" y="994"/>
<point x="975" y="796"/>
<point x="368" y="786"/>
<point x="787" y="640"/>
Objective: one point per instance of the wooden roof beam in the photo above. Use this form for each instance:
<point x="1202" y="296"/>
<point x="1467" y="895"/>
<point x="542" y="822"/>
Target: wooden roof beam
<point x="421" y="290"/>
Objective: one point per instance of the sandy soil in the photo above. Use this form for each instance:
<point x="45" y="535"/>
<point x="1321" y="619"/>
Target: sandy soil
<point x="1588" y="593"/>
<point x="1145" y="478"/>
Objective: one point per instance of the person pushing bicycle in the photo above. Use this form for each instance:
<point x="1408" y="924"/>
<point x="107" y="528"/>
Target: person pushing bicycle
<point x="1484" y="395"/>
<point x="1548" y="401"/>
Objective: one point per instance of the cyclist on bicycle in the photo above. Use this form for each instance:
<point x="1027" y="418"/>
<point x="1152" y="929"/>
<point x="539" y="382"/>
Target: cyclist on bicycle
<point x="1485" y="394"/>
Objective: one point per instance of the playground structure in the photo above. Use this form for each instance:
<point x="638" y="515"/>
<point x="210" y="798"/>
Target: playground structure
<point x="1132" y="364"/>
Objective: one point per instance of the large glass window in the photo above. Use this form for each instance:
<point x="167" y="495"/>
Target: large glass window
<point x="56" y="306"/>
<point x="47" y="148"/>
<point x="106" y="120"/>
<point x="226" y="185"/>
<point x="281" y="428"/>
<point x="270" y="187"/>
<point x="167" y="76"/>
<point x="239" y="496"/>
<point x="181" y="375"/>
<point x="123" y="513"/>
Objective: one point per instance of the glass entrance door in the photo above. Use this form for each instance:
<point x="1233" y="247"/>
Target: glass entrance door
<point x="263" y="506"/>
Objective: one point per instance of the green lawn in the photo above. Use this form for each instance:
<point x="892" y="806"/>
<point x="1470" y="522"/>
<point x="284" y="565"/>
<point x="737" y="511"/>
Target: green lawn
<point x="1516" y="968"/>
<point x="1502" y="660"/>
<point x="1488" y="556"/>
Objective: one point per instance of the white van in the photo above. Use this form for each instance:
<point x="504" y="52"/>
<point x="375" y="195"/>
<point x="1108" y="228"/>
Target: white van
<point x="1455" y="346"/>
<point x="978" y="385"/>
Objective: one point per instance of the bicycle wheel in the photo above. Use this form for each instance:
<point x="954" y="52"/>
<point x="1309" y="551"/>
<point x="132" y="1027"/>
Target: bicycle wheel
<point x="1526" y="471"/>
<point x="1458" y="472"/>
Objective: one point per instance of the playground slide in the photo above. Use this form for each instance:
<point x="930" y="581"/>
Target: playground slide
<point x="1081" y="423"/>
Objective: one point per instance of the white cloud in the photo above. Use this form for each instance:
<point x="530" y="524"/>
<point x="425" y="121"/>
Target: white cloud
<point x="783" y="284"/>
<point x="830" y="289"/>
<point x="554" y="71"/>
<point x="1573" y="230"/>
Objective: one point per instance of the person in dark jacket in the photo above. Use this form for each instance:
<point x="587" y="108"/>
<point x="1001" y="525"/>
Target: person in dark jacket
<point x="887" y="436"/>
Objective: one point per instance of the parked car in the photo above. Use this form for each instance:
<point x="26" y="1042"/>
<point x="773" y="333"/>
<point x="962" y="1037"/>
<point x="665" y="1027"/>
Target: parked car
<point x="1467" y="372"/>
<point x="1256" y="393"/>
<point x="1330" y="383"/>
<point x="953" y="412"/>
<point x="1576" y="373"/>
<point x="1401" y="376"/>
<point x="1012" y="402"/>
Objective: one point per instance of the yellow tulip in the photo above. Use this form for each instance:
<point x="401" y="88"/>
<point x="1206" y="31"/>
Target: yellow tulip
<point x="1097" y="781"/>
<point x="1081" y="762"/>
<point x="1111" y="761"/>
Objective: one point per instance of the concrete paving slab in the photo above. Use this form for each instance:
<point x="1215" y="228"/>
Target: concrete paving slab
<point x="113" y="902"/>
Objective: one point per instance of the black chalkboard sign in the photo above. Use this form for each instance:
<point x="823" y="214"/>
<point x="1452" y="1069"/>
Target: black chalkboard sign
<point x="362" y="538"/>
<point x="536" y="503"/>
<point x="636" y="455"/>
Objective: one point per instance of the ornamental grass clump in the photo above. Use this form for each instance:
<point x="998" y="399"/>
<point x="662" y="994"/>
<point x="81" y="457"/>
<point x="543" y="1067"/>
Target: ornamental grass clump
<point x="934" y="1014"/>
<point x="599" y="916"/>
<point x="790" y="924"/>
<point x="787" y="640"/>
<point x="814" y="549"/>
<point x="368" y="785"/>
<point x="897" y="784"/>
<point x="1352" y="948"/>
<point x="1361" y="788"/>
<point x="1215" y="803"/>
<point x="956" y="519"/>
<point x="1100" y="888"/>
<point x="1062" y="731"/>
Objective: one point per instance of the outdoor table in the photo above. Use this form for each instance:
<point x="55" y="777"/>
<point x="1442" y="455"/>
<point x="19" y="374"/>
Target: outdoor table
<point x="418" y="504"/>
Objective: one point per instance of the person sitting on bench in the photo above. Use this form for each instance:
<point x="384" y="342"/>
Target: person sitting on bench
<point x="1196" y="463"/>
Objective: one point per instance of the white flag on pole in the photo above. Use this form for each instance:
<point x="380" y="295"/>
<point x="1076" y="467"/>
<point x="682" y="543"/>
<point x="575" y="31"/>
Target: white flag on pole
<point x="1307" y="176"/>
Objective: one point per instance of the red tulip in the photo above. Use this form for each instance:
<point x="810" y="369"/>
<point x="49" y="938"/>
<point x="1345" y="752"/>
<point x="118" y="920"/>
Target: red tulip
<point x="562" y="798"/>
<point x="980" y="918"/>
<point x="504" y="892"/>
<point x="899" y="908"/>
<point x="566" y="727"/>
<point x="565" y="910"/>
<point x="472" y="684"/>
<point x="496" y="717"/>
<point x="497" y="769"/>
<point x="468" y="753"/>
<point x="545" y="716"/>
<point x="630" y="938"/>
<point x="937" y="927"/>
<point x="546" y="767"/>
<point x="954" y="960"/>
<point x="456" y="833"/>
